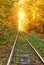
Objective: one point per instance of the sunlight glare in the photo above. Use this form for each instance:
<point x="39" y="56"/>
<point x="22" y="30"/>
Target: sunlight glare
<point x="21" y="17"/>
<point x="21" y="1"/>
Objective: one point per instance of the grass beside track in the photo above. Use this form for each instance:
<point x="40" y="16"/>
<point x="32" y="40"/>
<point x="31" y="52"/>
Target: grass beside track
<point x="6" y="43"/>
<point x="33" y="38"/>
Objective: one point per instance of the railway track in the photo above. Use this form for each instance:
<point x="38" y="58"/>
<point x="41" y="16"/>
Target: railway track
<point x="22" y="47"/>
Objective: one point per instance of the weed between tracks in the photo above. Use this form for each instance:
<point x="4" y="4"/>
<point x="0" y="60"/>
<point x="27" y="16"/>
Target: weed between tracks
<point x="23" y="48"/>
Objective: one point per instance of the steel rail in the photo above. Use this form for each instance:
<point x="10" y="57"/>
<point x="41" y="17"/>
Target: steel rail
<point x="12" y="51"/>
<point x="33" y="49"/>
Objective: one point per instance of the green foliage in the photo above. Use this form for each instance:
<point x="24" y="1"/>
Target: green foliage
<point x="7" y="31"/>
